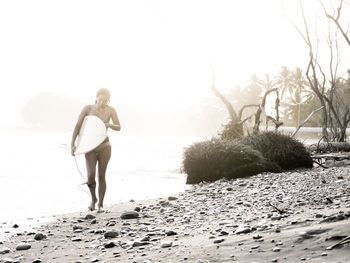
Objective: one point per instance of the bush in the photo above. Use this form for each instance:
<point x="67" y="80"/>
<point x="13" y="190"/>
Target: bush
<point x="215" y="159"/>
<point x="284" y="150"/>
<point x="231" y="131"/>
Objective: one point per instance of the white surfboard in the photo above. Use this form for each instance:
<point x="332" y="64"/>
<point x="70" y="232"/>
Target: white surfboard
<point x="92" y="133"/>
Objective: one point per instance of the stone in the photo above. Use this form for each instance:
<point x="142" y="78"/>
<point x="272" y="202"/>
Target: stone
<point x="23" y="246"/>
<point x="39" y="236"/>
<point x="170" y="233"/>
<point x="89" y="217"/>
<point x="111" y="234"/>
<point x="166" y="244"/>
<point x="242" y="230"/>
<point x="218" y="241"/>
<point x="130" y="215"/>
<point x="4" y="250"/>
<point x="276" y="249"/>
<point x="110" y="245"/>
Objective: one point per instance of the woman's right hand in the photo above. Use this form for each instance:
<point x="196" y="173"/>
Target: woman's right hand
<point x="72" y="149"/>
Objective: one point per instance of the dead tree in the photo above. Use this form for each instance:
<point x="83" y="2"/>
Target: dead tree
<point x="335" y="18"/>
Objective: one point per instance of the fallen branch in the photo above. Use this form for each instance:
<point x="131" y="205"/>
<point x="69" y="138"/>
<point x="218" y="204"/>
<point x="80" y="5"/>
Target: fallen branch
<point x="277" y="209"/>
<point x="306" y="120"/>
<point x="341" y="242"/>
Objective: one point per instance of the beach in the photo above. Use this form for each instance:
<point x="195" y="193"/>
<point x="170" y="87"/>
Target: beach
<point x="294" y="216"/>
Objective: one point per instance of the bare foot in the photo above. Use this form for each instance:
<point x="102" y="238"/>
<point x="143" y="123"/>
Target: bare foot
<point x="91" y="207"/>
<point x="100" y="209"/>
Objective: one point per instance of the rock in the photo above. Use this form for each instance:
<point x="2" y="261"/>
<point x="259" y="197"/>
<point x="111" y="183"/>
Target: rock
<point x="276" y="216"/>
<point x="4" y="250"/>
<point x="172" y="198"/>
<point x="23" y="246"/>
<point x="15" y="226"/>
<point x="170" y="233"/>
<point x="37" y="261"/>
<point x="7" y="260"/>
<point x="276" y="249"/>
<point x="257" y="236"/>
<point x="129" y="215"/>
<point x="89" y="217"/>
<point x="139" y="243"/>
<point x="111" y="234"/>
<point x="77" y="228"/>
<point x="39" y="236"/>
<point x="242" y="229"/>
<point x="218" y="241"/>
<point x="110" y="245"/>
<point x="166" y="244"/>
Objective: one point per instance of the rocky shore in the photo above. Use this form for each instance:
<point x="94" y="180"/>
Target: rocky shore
<point x="296" y="216"/>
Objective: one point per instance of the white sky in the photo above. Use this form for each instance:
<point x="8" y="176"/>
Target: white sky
<point x="149" y="53"/>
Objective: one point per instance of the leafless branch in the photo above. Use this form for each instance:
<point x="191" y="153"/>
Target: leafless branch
<point x="306" y="120"/>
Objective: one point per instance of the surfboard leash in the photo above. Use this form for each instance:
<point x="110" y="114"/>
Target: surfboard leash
<point x="76" y="164"/>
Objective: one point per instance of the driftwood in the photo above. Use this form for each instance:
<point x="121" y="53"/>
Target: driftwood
<point x="330" y="147"/>
<point x="341" y="242"/>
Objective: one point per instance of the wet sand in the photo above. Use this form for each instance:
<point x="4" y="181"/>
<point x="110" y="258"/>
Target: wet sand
<point x="294" y="216"/>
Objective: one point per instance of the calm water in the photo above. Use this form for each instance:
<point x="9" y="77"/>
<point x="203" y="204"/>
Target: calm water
<point x="40" y="178"/>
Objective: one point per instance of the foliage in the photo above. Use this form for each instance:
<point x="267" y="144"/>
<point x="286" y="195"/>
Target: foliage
<point x="214" y="159"/>
<point x="282" y="149"/>
<point x="231" y="130"/>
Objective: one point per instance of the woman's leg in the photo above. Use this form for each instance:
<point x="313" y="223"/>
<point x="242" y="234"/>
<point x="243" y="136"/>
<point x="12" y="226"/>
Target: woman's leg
<point x="103" y="158"/>
<point x="91" y="160"/>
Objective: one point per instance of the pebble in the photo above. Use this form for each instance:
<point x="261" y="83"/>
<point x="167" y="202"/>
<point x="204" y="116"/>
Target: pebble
<point x="110" y="245"/>
<point x="242" y="230"/>
<point x="129" y="215"/>
<point x="23" y="246"/>
<point x="4" y="250"/>
<point x="89" y="217"/>
<point x="39" y="236"/>
<point x="166" y="244"/>
<point x="218" y="241"/>
<point x="276" y="249"/>
<point x="111" y="234"/>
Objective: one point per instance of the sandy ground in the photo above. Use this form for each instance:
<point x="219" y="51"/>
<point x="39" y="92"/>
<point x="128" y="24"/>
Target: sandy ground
<point x="289" y="217"/>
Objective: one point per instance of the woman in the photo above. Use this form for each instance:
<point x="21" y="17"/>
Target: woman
<point x="102" y="153"/>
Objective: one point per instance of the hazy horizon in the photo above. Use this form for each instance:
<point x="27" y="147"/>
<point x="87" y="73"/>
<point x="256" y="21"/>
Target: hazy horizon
<point x="154" y="56"/>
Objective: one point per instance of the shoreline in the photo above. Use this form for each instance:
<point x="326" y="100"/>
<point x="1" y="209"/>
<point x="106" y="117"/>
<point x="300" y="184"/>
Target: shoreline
<point x="287" y="217"/>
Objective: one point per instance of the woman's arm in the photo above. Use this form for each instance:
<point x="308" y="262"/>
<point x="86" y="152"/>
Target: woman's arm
<point x="81" y="117"/>
<point x="116" y="124"/>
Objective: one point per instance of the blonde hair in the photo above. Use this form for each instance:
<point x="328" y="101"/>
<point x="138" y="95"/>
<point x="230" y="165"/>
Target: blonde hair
<point x="103" y="91"/>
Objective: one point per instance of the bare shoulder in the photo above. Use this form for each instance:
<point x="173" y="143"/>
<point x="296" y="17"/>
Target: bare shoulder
<point x="111" y="109"/>
<point x="87" y="108"/>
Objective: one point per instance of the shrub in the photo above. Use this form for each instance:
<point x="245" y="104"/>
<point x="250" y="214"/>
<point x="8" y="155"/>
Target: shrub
<point x="284" y="150"/>
<point x="231" y="130"/>
<point x="215" y="159"/>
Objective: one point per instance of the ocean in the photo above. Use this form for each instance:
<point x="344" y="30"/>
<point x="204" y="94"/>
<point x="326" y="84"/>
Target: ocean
<point x="39" y="178"/>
